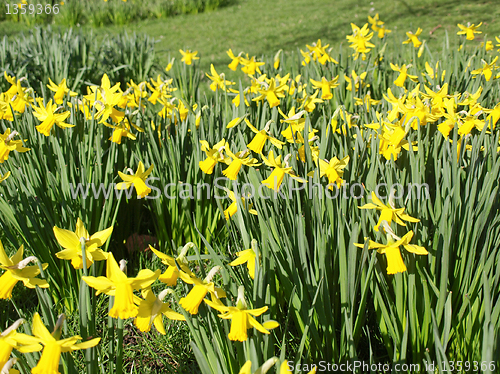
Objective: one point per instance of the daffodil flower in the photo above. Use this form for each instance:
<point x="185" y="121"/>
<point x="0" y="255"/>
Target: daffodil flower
<point x="160" y="89"/>
<point x="391" y="250"/>
<point x="492" y="119"/>
<point x="170" y="65"/>
<point x="309" y="101"/>
<point x="334" y="170"/>
<point x="218" y="80"/>
<point x="117" y="284"/>
<point x="413" y="38"/>
<point x="378" y="26"/>
<point x="389" y="212"/>
<point x="247" y="256"/>
<point x="104" y="98"/>
<point x="233" y="207"/>
<point x="188" y="56"/>
<point x="247" y="367"/>
<point x="325" y="86"/>
<point x="138" y="180"/>
<point x="280" y="169"/>
<point x="258" y="141"/>
<point x="241" y="317"/>
<point x="119" y="131"/>
<point x="10" y="339"/>
<point x="21" y="97"/>
<point x="271" y="92"/>
<point x="192" y="301"/>
<point x="487" y="69"/>
<point x="250" y="66"/>
<point x="360" y="40"/>
<point x="319" y="53"/>
<point x="403" y="74"/>
<point x="238" y="160"/>
<point x="293" y="133"/>
<point x="151" y="310"/>
<point x="214" y="155"/>
<point x="7" y="144"/>
<point x="235" y="60"/>
<point x="17" y="269"/>
<point x="469" y="30"/>
<point x="169" y="277"/>
<point x="53" y="346"/>
<point x="392" y="140"/>
<point x="61" y="90"/>
<point x="357" y="80"/>
<point x="72" y="244"/>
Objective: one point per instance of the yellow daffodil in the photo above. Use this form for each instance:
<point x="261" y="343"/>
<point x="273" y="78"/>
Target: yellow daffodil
<point x="356" y="80"/>
<point x="138" y="180"/>
<point x="169" y="277"/>
<point x="389" y="212"/>
<point x="391" y="250"/>
<point x="309" y="101"/>
<point x="319" y="53"/>
<point x="258" y="141"/>
<point x="334" y="170"/>
<point x="360" y="41"/>
<point x="293" y="133"/>
<point x="121" y="130"/>
<point x="271" y="92"/>
<point x="367" y="101"/>
<point x="10" y="339"/>
<point x="48" y="116"/>
<point x="247" y="256"/>
<point x="247" y="367"/>
<point x="117" y="284"/>
<point x="61" y="90"/>
<point x="53" y="346"/>
<point x="250" y="66"/>
<point x="160" y="89"/>
<point x="170" y="65"/>
<point x="233" y="207"/>
<point x="214" y="155"/>
<point x="413" y="38"/>
<point x="325" y="86"/>
<point x="72" y="244"/>
<point x="280" y="169"/>
<point x="218" y="80"/>
<point x="16" y="269"/>
<point x="151" y="310"/>
<point x="487" y="69"/>
<point x="403" y="74"/>
<point x="235" y="60"/>
<point x="241" y="317"/>
<point x="468" y="30"/>
<point x="276" y="63"/>
<point x="192" y="301"/>
<point x="20" y="96"/>
<point x="105" y="98"/>
<point x="238" y="160"/>
<point x="188" y="56"/>
<point x="7" y="144"/>
<point x="392" y="140"/>
<point x="378" y="26"/>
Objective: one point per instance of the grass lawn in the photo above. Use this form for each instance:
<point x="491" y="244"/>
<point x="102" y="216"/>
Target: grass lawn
<point x="262" y="27"/>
